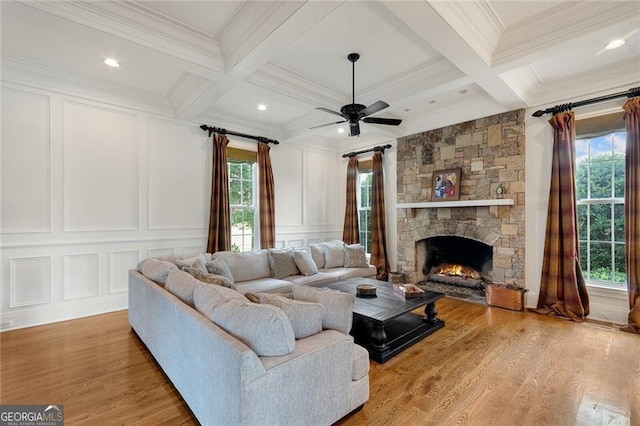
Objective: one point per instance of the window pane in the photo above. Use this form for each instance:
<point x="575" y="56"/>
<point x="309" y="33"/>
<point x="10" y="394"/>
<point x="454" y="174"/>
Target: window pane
<point x="618" y="225"/>
<point x="234" y="170"/>
<point x="582" y="181"/>
<point x="246" y="170"/>
<point x="600" y="184"/>
<point x="583" y="259"/>
<point x="620" y="142"/>
<point x="234" y="192"/>
<point x="600" y="219"/>
<point x="618" y="178"/>
<point x="620" y="267"/>
<point x="583" y="211"/>
<point x="247" y="193"/>
<point x="601" y="145"/>
<point x="601" y="261"/>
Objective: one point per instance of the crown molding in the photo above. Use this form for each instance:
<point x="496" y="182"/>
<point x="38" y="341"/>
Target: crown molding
<point x="141" y="26"/>
<point x="253" y="23"/>
<point x="475" y="22"/>
<point x="605" y="79"/>
<point x="524" y="81"/>
<point x="186" y="89"/>
<point x="557" y="25"/>
<point x="31" y="74"/>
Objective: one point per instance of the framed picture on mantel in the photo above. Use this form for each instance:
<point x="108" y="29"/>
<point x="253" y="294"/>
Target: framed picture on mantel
<point x="446" y="185"/>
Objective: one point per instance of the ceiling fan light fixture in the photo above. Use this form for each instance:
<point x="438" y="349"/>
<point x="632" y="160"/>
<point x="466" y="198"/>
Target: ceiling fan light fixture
<point x="614" y="44"/>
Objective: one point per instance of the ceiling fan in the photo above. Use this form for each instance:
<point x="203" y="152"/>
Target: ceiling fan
<point x="354" y="112"/>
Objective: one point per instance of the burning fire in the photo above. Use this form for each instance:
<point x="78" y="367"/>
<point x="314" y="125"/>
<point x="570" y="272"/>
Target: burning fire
<point x="458" y="270"/>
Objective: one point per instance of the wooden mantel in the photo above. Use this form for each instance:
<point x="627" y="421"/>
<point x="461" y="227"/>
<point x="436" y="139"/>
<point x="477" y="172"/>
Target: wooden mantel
<point x="463" y="203"/>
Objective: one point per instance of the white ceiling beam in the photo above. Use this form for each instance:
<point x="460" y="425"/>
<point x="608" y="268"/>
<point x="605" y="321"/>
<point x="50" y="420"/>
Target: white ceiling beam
<point x="259" y="51"/>
<point x="422" y="18"/>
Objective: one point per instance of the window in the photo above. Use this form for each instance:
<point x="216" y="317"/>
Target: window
<point x="243" y="203"/>
<point x="600" y="199"/>
<point x="364" y="209"/>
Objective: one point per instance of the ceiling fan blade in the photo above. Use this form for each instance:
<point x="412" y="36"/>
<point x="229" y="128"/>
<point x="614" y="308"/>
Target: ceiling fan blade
<point x="388" y="121"/>
<point x="373" y="108"/>
<point x="355" y="128"/>
<point x="330" y="111"/>
<point x="328" y="124"/>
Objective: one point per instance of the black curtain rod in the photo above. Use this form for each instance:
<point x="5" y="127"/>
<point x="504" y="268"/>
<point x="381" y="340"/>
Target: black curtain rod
<point x="635" y="91"/>
<point x="379" y="148"/>
<point x="242" y="135"/>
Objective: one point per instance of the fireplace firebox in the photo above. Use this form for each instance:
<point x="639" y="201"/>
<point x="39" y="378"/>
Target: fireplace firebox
<point x="458" y="261"/>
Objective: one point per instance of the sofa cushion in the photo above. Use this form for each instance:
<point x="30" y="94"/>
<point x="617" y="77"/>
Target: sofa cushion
<point x="182" y="285"/>
<point x="219" y="267"/>
<point x="313" y="280"/>
<point x="333" y="254"/>
<point x="270" y="285"/>
<point x="304" y="261"/>
<point x="342" y="274"/>
<point x="207" y="297"/>
<point x="305" y="317"/>
<point x="156" y="270"/>
<point x="245" y="266"/>
<point x="317" y="254"/>
<point x="360" y="358"/>
<point x="264" y="328"/>
<point x="338" y="306"/>
<point x="354" y="256"/>
<point x="208" y="278"/>
<point x="282" y="263"/>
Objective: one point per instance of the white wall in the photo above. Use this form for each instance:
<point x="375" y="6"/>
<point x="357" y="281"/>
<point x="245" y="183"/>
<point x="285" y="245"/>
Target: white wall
<point x="605" y="304"/>
<point x="90" y="188"/>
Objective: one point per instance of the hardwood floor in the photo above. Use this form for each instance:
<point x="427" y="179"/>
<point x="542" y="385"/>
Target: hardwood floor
<point x="488" y="366"/>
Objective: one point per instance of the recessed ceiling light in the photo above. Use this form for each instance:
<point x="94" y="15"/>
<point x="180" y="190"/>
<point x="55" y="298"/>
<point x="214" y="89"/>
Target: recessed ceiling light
<point x="614" y="44"/>
<point x="406" y="109"/>
<point x="262" y="107"/>
<point x="112" y="62"/>
<point x="432" y="101"/>
<point x="340" y="130"/>
<point x="463" y="91"/>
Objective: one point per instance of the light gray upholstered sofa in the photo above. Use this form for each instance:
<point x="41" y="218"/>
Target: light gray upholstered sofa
<point x="224" y="381"/>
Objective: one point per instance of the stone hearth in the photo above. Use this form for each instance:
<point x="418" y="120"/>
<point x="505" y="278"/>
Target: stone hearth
<point x="490" y="152"/>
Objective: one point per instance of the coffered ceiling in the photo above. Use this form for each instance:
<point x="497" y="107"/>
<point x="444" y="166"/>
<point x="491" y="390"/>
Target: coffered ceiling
<point x="435" y="62"/>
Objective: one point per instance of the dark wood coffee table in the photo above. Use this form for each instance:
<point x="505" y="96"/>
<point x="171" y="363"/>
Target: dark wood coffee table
<point x="384" y="324"/>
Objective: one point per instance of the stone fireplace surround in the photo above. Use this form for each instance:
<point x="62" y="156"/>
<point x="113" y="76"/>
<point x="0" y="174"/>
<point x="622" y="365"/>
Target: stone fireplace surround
<point x="490" y="152"/>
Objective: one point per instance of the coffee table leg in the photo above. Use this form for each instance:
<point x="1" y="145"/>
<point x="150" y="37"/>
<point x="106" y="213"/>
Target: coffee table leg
<point x="378" y="336"/>
<point x="431" y="312"/>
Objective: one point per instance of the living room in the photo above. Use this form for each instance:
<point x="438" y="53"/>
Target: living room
<point x="104" y="167"/>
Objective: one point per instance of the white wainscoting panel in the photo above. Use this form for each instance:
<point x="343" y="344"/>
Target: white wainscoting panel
<point x="30" y="280"/>
<point x="26" y="163"/>
<point x="177" y="164"/>
<point x="161" y="251"/>
<point x="296" y="243"/>
<point x="287" y="176"/>
<point x="192" y="251"/>
<point x="321" y="188"/>
<point x="81" y="275"/>
<point x="101" y="168"/>
<point x="119" y="264"/>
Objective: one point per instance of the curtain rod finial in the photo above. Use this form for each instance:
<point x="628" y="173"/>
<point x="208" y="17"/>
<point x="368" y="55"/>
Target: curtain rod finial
<point x="538" y="113"/>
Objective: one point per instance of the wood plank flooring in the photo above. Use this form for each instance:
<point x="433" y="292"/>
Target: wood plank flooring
<point x="488" y="366"/>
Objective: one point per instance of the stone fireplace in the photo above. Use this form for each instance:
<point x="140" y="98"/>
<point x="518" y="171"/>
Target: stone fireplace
<point x="488" y="238"/>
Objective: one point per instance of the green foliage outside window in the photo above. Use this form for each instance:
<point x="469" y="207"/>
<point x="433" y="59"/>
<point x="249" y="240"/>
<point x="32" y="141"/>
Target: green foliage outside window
<point x="364" y="209"/>
<point x="241" y="199"/>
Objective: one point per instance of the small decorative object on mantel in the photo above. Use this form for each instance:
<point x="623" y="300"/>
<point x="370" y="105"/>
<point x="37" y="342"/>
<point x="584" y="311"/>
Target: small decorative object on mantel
<point x="507" y="296"/>
<point x="366" y="290"/>
<point x="408" y="290"/>
<point x="446" y="185"/>
<point x="500" y="191"/>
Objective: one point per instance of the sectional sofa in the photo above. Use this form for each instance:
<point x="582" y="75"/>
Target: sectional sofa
<point x="286" y="361"/>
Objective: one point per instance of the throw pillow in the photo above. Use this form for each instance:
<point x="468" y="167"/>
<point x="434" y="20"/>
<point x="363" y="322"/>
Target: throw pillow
<point x="219" y="267"/>
<point x="208" y="278"/>
<point x="305" y="317"/>
<point x="182" y="285"/>
<point x="262" y="297"/>
<point x="282" y="264"/>
<point x="264" y="328"/>
<point x="317" y="254"/>
<point x="304" y="262"/>
<point x="338" y="306"/>
<point x="189" y="261"/>
<point x="156" y="270"/>
<point x="354" y="256"/>
<point x="334" y="254"/>
<point x="208" y="297"/>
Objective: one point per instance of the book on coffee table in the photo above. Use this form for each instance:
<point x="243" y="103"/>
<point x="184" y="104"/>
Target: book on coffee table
<point x="408" y="290"/>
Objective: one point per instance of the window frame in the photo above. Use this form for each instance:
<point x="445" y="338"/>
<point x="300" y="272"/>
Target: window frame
<point x="255" y="235"/>
<point x="363" y="176"/>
